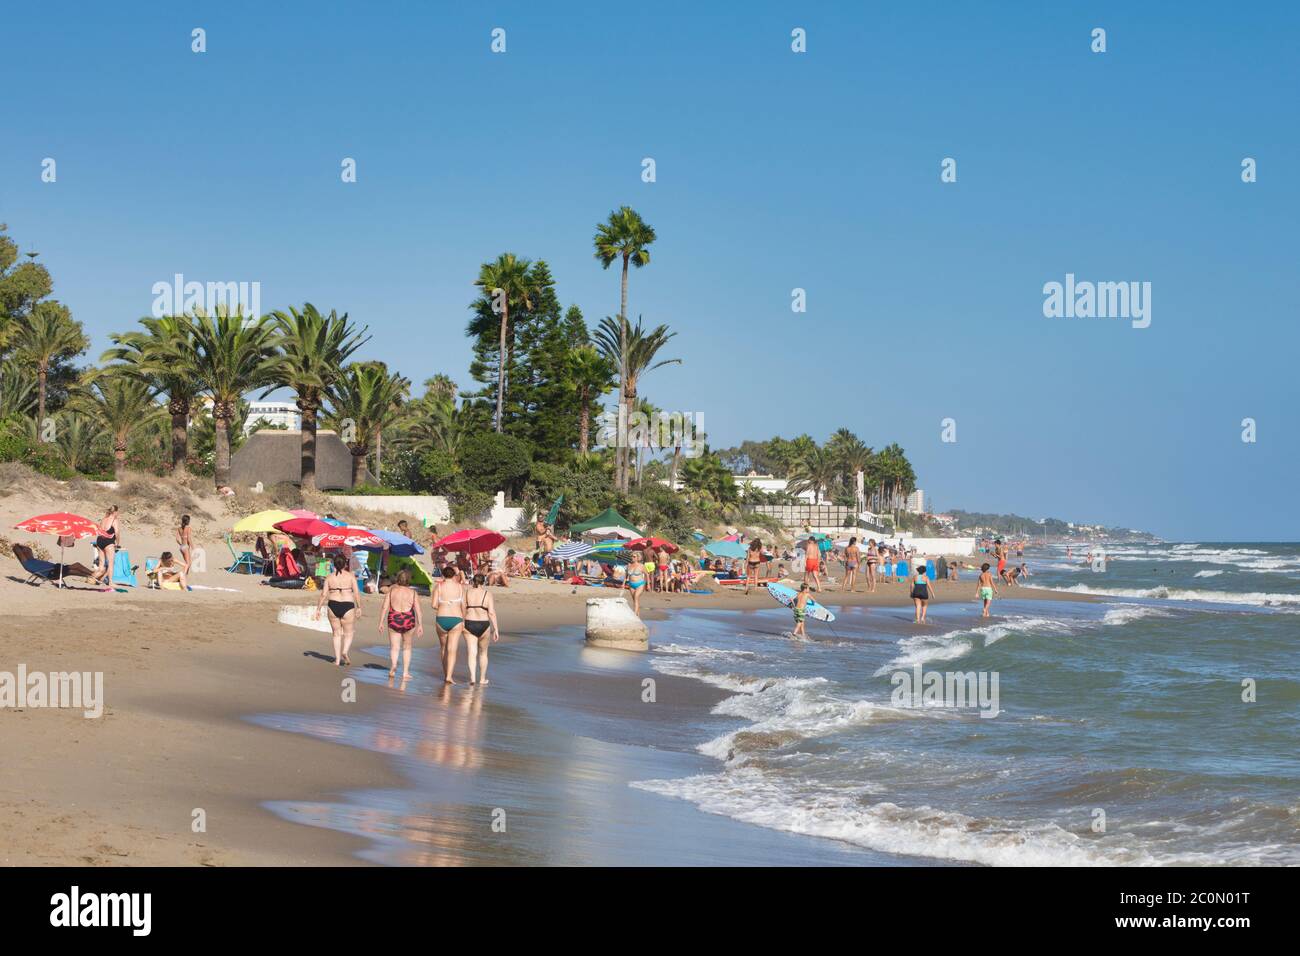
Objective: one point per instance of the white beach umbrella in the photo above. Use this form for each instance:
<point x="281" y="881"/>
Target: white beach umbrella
<point x="572" y="550"/>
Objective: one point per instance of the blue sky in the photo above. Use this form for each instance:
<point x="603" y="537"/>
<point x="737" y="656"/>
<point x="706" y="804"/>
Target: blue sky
<point x="775" y="170"/>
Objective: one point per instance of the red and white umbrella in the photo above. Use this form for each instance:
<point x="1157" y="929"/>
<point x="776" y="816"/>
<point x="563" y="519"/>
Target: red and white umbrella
<point x="658" y="544"/>
<point x="472" y="540"/>
<point x="348" y="538"/>
<point x="64" y="525"/>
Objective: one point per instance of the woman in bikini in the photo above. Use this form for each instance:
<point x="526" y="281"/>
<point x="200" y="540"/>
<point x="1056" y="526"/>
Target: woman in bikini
<point x="340" y="591"/>
<point x="851" y="557"/>
<point x="185" y="542"/>
<point x="636" y="574"/>
<point x="400" y="615"/>
<point x="448" y="600"/>
<point x="753" y="558"/>
<point x="106" y="544"/>
<point x="480" y="627"/>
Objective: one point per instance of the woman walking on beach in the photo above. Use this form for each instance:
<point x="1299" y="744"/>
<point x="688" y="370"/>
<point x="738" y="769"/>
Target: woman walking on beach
<point x="921" y="593"/>
<point x="400" y="615"/>
<point x="106" y="544"/>
<point x="753" y="558"/>
<point x="636" y="578"/>
<point x="185" y="542"/>
<point x="873" y="558"/>
<point x="480" y="628"/>
<point x="340" y="592"/>
<point x="448" y="600"/>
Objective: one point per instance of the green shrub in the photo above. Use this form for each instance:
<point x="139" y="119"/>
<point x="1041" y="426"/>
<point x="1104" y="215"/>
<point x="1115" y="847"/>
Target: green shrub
<point x="493" y="462"/>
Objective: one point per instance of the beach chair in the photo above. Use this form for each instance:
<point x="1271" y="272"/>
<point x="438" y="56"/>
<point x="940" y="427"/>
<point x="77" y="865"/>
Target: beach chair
<point x="39" y="571"/>
<point x="248" y="562"/>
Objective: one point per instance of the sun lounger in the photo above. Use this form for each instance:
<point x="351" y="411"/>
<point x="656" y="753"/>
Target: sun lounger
<point x="39" y="571"/>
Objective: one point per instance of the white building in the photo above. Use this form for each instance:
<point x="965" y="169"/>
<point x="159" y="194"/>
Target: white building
<point x="915" y="502"/>
<point x="283" y="414"/>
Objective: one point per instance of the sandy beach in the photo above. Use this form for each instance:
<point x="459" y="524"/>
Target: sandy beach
<point x="184" y="673"/>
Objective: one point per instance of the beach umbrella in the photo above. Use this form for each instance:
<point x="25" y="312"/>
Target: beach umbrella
<point x="471" y="540"/>
<point x="345" y="537"/>
<point x="555" y="510"/>
<point x="303" y="513"/>
<point x="656" y="543"/>
<point x="64" y="525"/>
<point x="263" y="521"/>
<point x="572" y="550"/>
<point x="303" y="527"/>
<point x="398" y="545"/>
<point x="725" y="549"/>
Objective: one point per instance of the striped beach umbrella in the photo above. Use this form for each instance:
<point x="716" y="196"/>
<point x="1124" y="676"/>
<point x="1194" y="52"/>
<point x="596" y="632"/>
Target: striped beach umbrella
<point x="572" y="550"/>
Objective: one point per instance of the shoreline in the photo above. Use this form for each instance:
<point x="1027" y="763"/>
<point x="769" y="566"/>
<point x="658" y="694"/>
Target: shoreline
<point x="182" y="681"/>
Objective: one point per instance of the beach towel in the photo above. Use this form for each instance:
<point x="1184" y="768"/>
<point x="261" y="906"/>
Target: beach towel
<point x="929" y="570"/>
<point x="122" y="572"/>
<point x="286" y="566"/>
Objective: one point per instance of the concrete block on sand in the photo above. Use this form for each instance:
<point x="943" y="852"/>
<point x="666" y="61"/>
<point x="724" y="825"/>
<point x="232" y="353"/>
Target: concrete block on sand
<point x="299" y="615"/>
<point x="612" y="623"/>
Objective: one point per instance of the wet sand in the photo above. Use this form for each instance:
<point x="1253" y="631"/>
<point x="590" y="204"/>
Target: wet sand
<point x="213" y="706"/>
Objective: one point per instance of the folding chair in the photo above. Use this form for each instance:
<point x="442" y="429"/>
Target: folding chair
<point x="249" y="562"/>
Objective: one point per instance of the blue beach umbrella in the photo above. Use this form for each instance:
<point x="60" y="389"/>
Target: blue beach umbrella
<point x="399" y="545"/>
<point x="725" y="549"/>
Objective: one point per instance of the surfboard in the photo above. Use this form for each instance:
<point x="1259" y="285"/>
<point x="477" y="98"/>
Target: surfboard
<point x="786" y="596"/>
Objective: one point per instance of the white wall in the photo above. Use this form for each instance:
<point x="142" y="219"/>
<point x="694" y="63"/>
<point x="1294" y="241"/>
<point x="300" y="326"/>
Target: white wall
<point x="433" y="508"/>
<point x="938" y="546"/>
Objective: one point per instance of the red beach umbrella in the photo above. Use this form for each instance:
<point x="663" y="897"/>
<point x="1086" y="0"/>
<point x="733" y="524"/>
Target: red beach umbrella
<point x="304" y="527"/>
<point x="656" y="543"/>
<point x="473" y="540"/>
<point x="348" y="538"/>
<point x="64" y="525"/>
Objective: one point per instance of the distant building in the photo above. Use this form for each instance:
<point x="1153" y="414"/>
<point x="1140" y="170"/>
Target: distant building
<point x="273" y="456"/>
<point x="280" y="414"/>
<point x="915" y="502"/>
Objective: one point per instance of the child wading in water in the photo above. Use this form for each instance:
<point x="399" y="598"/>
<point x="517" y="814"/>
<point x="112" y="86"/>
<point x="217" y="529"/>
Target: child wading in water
<point x="986" y="587"/>
<point x="801" y="611"/>
<point x="921" y="594"/>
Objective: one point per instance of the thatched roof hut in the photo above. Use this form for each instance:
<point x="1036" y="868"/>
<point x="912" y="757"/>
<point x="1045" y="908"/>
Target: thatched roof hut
<point x="272" y="456"/>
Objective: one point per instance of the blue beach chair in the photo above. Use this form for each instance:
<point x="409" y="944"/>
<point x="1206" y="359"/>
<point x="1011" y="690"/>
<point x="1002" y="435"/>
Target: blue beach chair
<point x="249" y="562"/>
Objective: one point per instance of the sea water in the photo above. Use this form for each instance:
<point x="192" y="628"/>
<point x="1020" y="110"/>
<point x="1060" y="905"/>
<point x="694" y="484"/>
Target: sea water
<point x="1159" y="726"/>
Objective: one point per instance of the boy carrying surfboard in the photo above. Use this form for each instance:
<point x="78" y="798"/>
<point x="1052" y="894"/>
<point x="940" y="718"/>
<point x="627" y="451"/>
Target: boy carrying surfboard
<point x="801" y="610"/>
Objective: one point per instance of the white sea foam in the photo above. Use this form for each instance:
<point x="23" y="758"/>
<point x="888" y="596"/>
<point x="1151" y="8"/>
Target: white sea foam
<point x="949" y="646"/>
<point x="754" y="796"/>
<point x="1254" y="598"/>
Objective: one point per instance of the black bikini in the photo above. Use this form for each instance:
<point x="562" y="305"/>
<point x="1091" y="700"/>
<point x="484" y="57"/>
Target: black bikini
<point x="340" y="608"/>
<point x="477" y="628"/>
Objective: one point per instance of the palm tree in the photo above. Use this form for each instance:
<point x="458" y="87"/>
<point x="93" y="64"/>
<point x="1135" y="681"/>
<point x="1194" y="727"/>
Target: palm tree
<point x="624" y="236"/>
<point x="591" y="375"/>
<point x="120" y="404"/>
<point x="634" y="349"/>
<point x="50" y="332"/>
<point x="508" y="280"/>
<point x="816" y="471"/>
<point x="312" y="351"/>
<point x="232" y="355"/>
<point x="368" y="397"/>
<point x="77" y="438"/>
<point x="17" y="391"/>
<point x="163" y="356"/>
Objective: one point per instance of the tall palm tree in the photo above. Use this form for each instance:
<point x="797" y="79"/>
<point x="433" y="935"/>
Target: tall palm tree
<point x="232" y="355"/>
<point x="371" y="399"/>
<point x="121" y="404"/>
<point x="590" y="375"/>
<point x="17" y="391"/>
<point x="627" y="237"/>
<point x="635" y="350"/>
<point x="816" y="471"/>
<point x="509" y="280"/>
<point x="312" y="351"/>
<point x="50" y="332"/>
<point x="433" y="424"/>
<point x="163" y="356"/>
